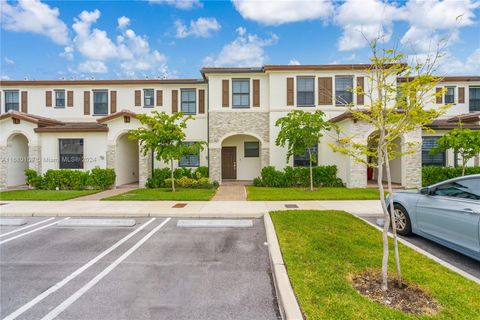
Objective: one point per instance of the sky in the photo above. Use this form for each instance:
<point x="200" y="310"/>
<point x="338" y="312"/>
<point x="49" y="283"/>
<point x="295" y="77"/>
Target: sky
<point x="175" y="38"/>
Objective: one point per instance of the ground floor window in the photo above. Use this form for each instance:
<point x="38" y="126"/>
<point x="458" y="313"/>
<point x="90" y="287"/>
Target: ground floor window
<point x="190" y="160"/>
<point x="304" y="161"/>
<point x="251" y="149"/>
<point x="71" y="153"/>
<point x="428" y="143"/>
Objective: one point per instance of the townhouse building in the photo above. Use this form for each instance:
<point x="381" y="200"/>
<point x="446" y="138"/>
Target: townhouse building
<point x="83" y="124"/>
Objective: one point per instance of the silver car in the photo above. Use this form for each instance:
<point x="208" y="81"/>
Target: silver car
<point x="447" y="212"/>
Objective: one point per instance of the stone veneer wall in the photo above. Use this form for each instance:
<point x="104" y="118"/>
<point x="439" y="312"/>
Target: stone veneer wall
<point x="3" y="167"/>
<point x="224" y="124"/>
<point x="145" y="168"/>
<point x="35" y="158"/>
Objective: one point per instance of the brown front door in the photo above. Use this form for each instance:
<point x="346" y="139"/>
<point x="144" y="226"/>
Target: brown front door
<point x="229" y="162"/>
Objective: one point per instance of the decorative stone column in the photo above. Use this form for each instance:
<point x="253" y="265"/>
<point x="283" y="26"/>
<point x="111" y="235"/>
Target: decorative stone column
<point x="358" y="174"/>
<point x="35" y="158"/>
<point x="215" y="164"/>
<point x="3" y="167"/>
<point x="265" y="156"/>
<point x="412" y="162"/>
<point x="145" y="168"/>
<point x="111" y="150"/>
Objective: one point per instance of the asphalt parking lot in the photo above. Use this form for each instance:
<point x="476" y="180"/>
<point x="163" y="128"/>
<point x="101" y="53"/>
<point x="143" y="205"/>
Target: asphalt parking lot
<point x="456" y="259"/>
<point x="153" y="270"/>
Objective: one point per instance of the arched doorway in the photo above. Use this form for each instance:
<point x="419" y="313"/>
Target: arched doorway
<point x="241" y="157"/>
<point x="396" y="167"/>
<point x="17" y="159"/>
<point x="126" y="160"/>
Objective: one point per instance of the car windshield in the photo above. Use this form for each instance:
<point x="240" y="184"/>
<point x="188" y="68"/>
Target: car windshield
<point x="465" y="189"/>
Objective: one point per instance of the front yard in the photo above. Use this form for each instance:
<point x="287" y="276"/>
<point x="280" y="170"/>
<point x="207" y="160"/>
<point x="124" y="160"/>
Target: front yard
<point x="44" y="195"/>
<point x="323" y="249"/>
<point x="165" y="194"/>
<point x="286" y="194"/>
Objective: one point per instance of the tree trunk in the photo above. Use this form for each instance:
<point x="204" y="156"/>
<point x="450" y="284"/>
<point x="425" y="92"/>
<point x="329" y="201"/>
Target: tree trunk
<point x="394" y="223"/>
<point x="386" y="216"/>
<point x="464" y="164"/>
<point x="172" y="176"/>
<point x="311" y="171"/>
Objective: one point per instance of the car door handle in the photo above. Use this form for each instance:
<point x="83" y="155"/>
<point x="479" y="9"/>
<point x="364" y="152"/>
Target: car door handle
<point x="469" y="210"/>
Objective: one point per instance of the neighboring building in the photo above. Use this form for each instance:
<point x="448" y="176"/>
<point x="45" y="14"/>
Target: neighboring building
<point x="82" y="124"/>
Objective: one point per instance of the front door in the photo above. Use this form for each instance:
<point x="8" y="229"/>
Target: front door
<point x="229" y="162"/>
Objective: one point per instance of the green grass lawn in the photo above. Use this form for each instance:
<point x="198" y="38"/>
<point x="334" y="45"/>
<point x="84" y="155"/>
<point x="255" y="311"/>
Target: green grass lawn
<point x="322" y="248"/>
<point x="166" y="194"/>
<point x="282" y="194"/>
<point x="44" y="195"/>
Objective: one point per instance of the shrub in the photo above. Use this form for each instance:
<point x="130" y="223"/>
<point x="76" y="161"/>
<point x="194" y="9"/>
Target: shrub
<point x="184" y="178"/>
<point x="33" y="179"/>
<point x="323" y="176"/>
<point x="201" y="172"/>
<point x="182" y="172"/>
<point x="434" y="174"/>
<point x="102" y="178"/>
<point x="157" y="180"/>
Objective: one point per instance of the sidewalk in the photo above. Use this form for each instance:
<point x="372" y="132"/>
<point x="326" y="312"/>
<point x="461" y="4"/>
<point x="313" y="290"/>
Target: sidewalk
<point x="230" y="193"/>
<point x="220" y="209"/>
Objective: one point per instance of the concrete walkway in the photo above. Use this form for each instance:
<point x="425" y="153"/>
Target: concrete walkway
<point x="230" y="192"/>
<point x="107" y="193"/>
<point x="230" y="209"/>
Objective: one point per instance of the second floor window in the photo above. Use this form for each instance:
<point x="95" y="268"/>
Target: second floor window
<point x="240" y="93"/>
<point x="450" y="95"/>
<point x="343" y="90"/>
<point x="11" y="100"/>
<point x="189" y="101"/>
<point x="305" y="91"/>
<point x="100" y="102"/>
<point x="474" y="99"/>
<point x="148" y="97"/>
<point x="59" y="98"/>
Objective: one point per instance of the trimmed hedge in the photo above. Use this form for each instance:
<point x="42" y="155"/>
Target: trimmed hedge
<point x="323" y="176"/>
<point x="66" y="179"/>
<point x="434" y="174"/>
<point x="184" y="177"/>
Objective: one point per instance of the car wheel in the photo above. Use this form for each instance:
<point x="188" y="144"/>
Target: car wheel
<point x="402" y="220"/>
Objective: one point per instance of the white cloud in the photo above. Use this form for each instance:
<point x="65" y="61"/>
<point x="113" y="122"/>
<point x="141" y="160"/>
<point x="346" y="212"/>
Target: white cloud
<point x="8" y="60"/>
<point x="201" y="28"/>
<point x="270" y="12"/>
<point x="363" y="21"/>
<point x="179" y="4"/>
<point x="294" y="62"/>
<point x="130" y="51"/>
<point x="36" y="17"/>
<point x="247" y="50"/>
<point x="91" y="66"/>
<point x="449" y="64"/>
<point x="5" y="77"/>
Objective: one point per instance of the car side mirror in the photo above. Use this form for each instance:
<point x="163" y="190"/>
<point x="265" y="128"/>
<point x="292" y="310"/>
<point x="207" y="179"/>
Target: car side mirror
<point x="425" y="191"/>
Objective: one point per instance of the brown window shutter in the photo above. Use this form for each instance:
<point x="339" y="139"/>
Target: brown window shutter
<point x="201" y="101"/>
<point x="159" y="98"/>
<point x="256" y="93"/>
<point x="48" y="98"/>
<point x="439" y="97"/>
<point x="225" y="93"/>
<point x="25" y="101"/>
<point x="69" y="98"/>
<point x="325" y="90"/>
<point x="461" y="95"/>
<point x="361" y="85"/>
<point x="86" y="102"/>
<point x="113" y="101"/>
<point x="174" y="101"/>
<point x="138" y="98"/>
<point x="290" y="101"/>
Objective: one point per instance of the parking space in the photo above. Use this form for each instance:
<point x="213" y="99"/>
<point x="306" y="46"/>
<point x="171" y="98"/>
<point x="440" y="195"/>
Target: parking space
<point x="456" y="259"/>
<point x="153" y="270"/>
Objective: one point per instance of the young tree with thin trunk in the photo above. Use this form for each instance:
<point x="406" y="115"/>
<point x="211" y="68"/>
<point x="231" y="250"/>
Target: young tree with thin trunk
<point x="393" y="108"/>
<point x="464" y="142"/>
<point x="164" y="135"/>
<point x="300" y="132"/>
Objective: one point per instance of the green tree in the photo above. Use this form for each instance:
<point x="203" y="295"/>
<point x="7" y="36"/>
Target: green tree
<point x="300" y="132"/>
<point x="393" y="108"/>
<point x="463" y="141"/>
<point x="164" y="135"/>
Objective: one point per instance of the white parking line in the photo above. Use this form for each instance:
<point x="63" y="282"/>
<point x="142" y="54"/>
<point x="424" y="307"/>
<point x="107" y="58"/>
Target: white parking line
<point x="32" y="231"/>
<point x="26" y="227"/>
<point x="73" y="275"/>
<point x="74" y="297"/>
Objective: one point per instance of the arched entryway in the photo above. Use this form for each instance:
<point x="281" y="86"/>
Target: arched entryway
<point x="17" y="159"/>
<point x="241" y="157"/>
<point x="396" y="167"/>
<point x="126" y="160"/>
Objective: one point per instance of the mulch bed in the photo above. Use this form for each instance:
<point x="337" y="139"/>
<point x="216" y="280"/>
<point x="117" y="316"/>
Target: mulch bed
<point x="409" y="299"/>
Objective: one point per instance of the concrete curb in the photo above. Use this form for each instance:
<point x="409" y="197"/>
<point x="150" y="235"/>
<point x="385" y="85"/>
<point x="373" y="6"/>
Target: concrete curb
<point x="287" y="302"/>
<point x="427" y="254"/>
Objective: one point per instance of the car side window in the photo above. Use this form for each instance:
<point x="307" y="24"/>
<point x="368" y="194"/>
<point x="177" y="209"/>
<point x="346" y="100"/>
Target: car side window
<point x="465" y="189"/>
